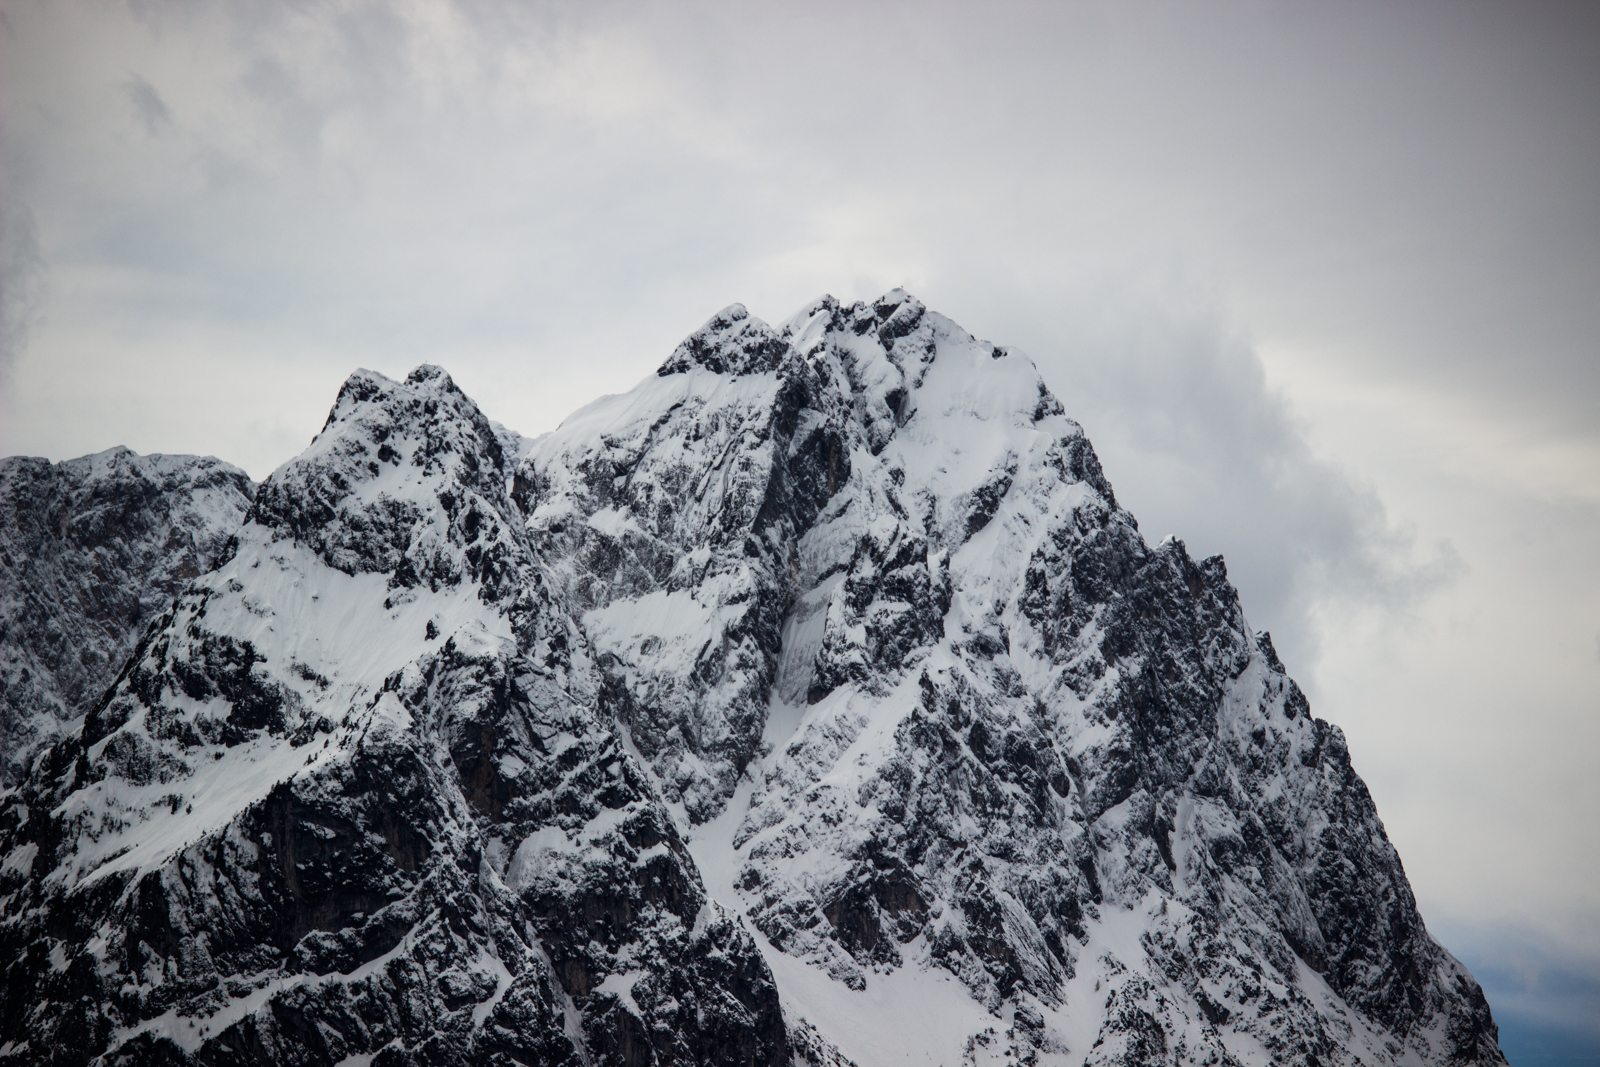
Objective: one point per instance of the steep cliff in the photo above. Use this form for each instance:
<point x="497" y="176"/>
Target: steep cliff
<point x="867" y="604"/>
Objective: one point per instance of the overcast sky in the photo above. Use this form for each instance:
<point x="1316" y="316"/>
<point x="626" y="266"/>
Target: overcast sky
<point x="1322" y="282"/>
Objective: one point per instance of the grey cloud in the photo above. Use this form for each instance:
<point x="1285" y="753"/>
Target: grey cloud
<point x="151" y="110"/>
<point x="23" y="284"/>
<point x="1545" y="994"/>
<point x="1200" y="446"/>
<point x="438" y="218"/>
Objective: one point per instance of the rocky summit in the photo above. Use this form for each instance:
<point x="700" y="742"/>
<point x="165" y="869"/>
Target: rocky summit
<point x="814" y="702"/>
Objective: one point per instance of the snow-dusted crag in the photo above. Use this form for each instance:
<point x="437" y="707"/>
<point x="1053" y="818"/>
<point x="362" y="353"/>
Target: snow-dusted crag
<point x="864" y="599"/>
<point x="91" y="551"/>
<point x="814" y="701"/>
<point x="350" y="797"/>
<point x="675" y="511"/>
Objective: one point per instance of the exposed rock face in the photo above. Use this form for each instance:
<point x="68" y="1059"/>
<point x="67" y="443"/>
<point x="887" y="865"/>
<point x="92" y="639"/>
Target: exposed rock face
<point x="464" y="747"/>
<point x="675" y="511"/>
<point x="351" y="796"/>
<point x="91" y="551"/>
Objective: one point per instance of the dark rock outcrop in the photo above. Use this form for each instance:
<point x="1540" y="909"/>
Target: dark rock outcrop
<point x="986" y="725"/>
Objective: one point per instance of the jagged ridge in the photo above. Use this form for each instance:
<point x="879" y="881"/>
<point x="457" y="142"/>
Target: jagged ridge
<point x="982" y="723"/>
<point x="350" y="796"/>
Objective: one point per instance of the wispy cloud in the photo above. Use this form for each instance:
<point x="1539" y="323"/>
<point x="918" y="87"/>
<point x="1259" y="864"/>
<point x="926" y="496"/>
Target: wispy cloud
<point x="148" y="106"/>
<point x="23" y="279"/>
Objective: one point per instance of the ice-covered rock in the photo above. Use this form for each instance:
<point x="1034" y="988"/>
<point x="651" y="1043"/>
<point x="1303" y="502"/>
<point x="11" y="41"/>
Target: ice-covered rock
<point x="671" y="515"/>
<point x="861" y="578"/>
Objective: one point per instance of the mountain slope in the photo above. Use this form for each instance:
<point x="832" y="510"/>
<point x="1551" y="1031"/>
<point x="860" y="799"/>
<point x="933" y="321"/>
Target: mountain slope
<point x="350" y="797"/>
<point x="91" y="550"/>
<point x="670" y="515"/>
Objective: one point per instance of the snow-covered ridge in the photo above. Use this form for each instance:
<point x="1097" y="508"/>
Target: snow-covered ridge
<point x="731" y="342"/>
<point x="814" y="701"/>
<point x="351" y="797"/>
<point x="406" y="479"/>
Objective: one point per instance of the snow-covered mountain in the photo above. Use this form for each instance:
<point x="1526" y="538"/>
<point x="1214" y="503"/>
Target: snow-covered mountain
<point x="91" y="550"/>
<point x="812" y="702"/>
<point x="352" y="793"/>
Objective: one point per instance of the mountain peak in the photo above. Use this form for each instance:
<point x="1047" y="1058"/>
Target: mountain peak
<point x="731" y="342"/>
<point x="895" y="299"/>
<point x="406" y="479"/>
<point x="429" y="372"/>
